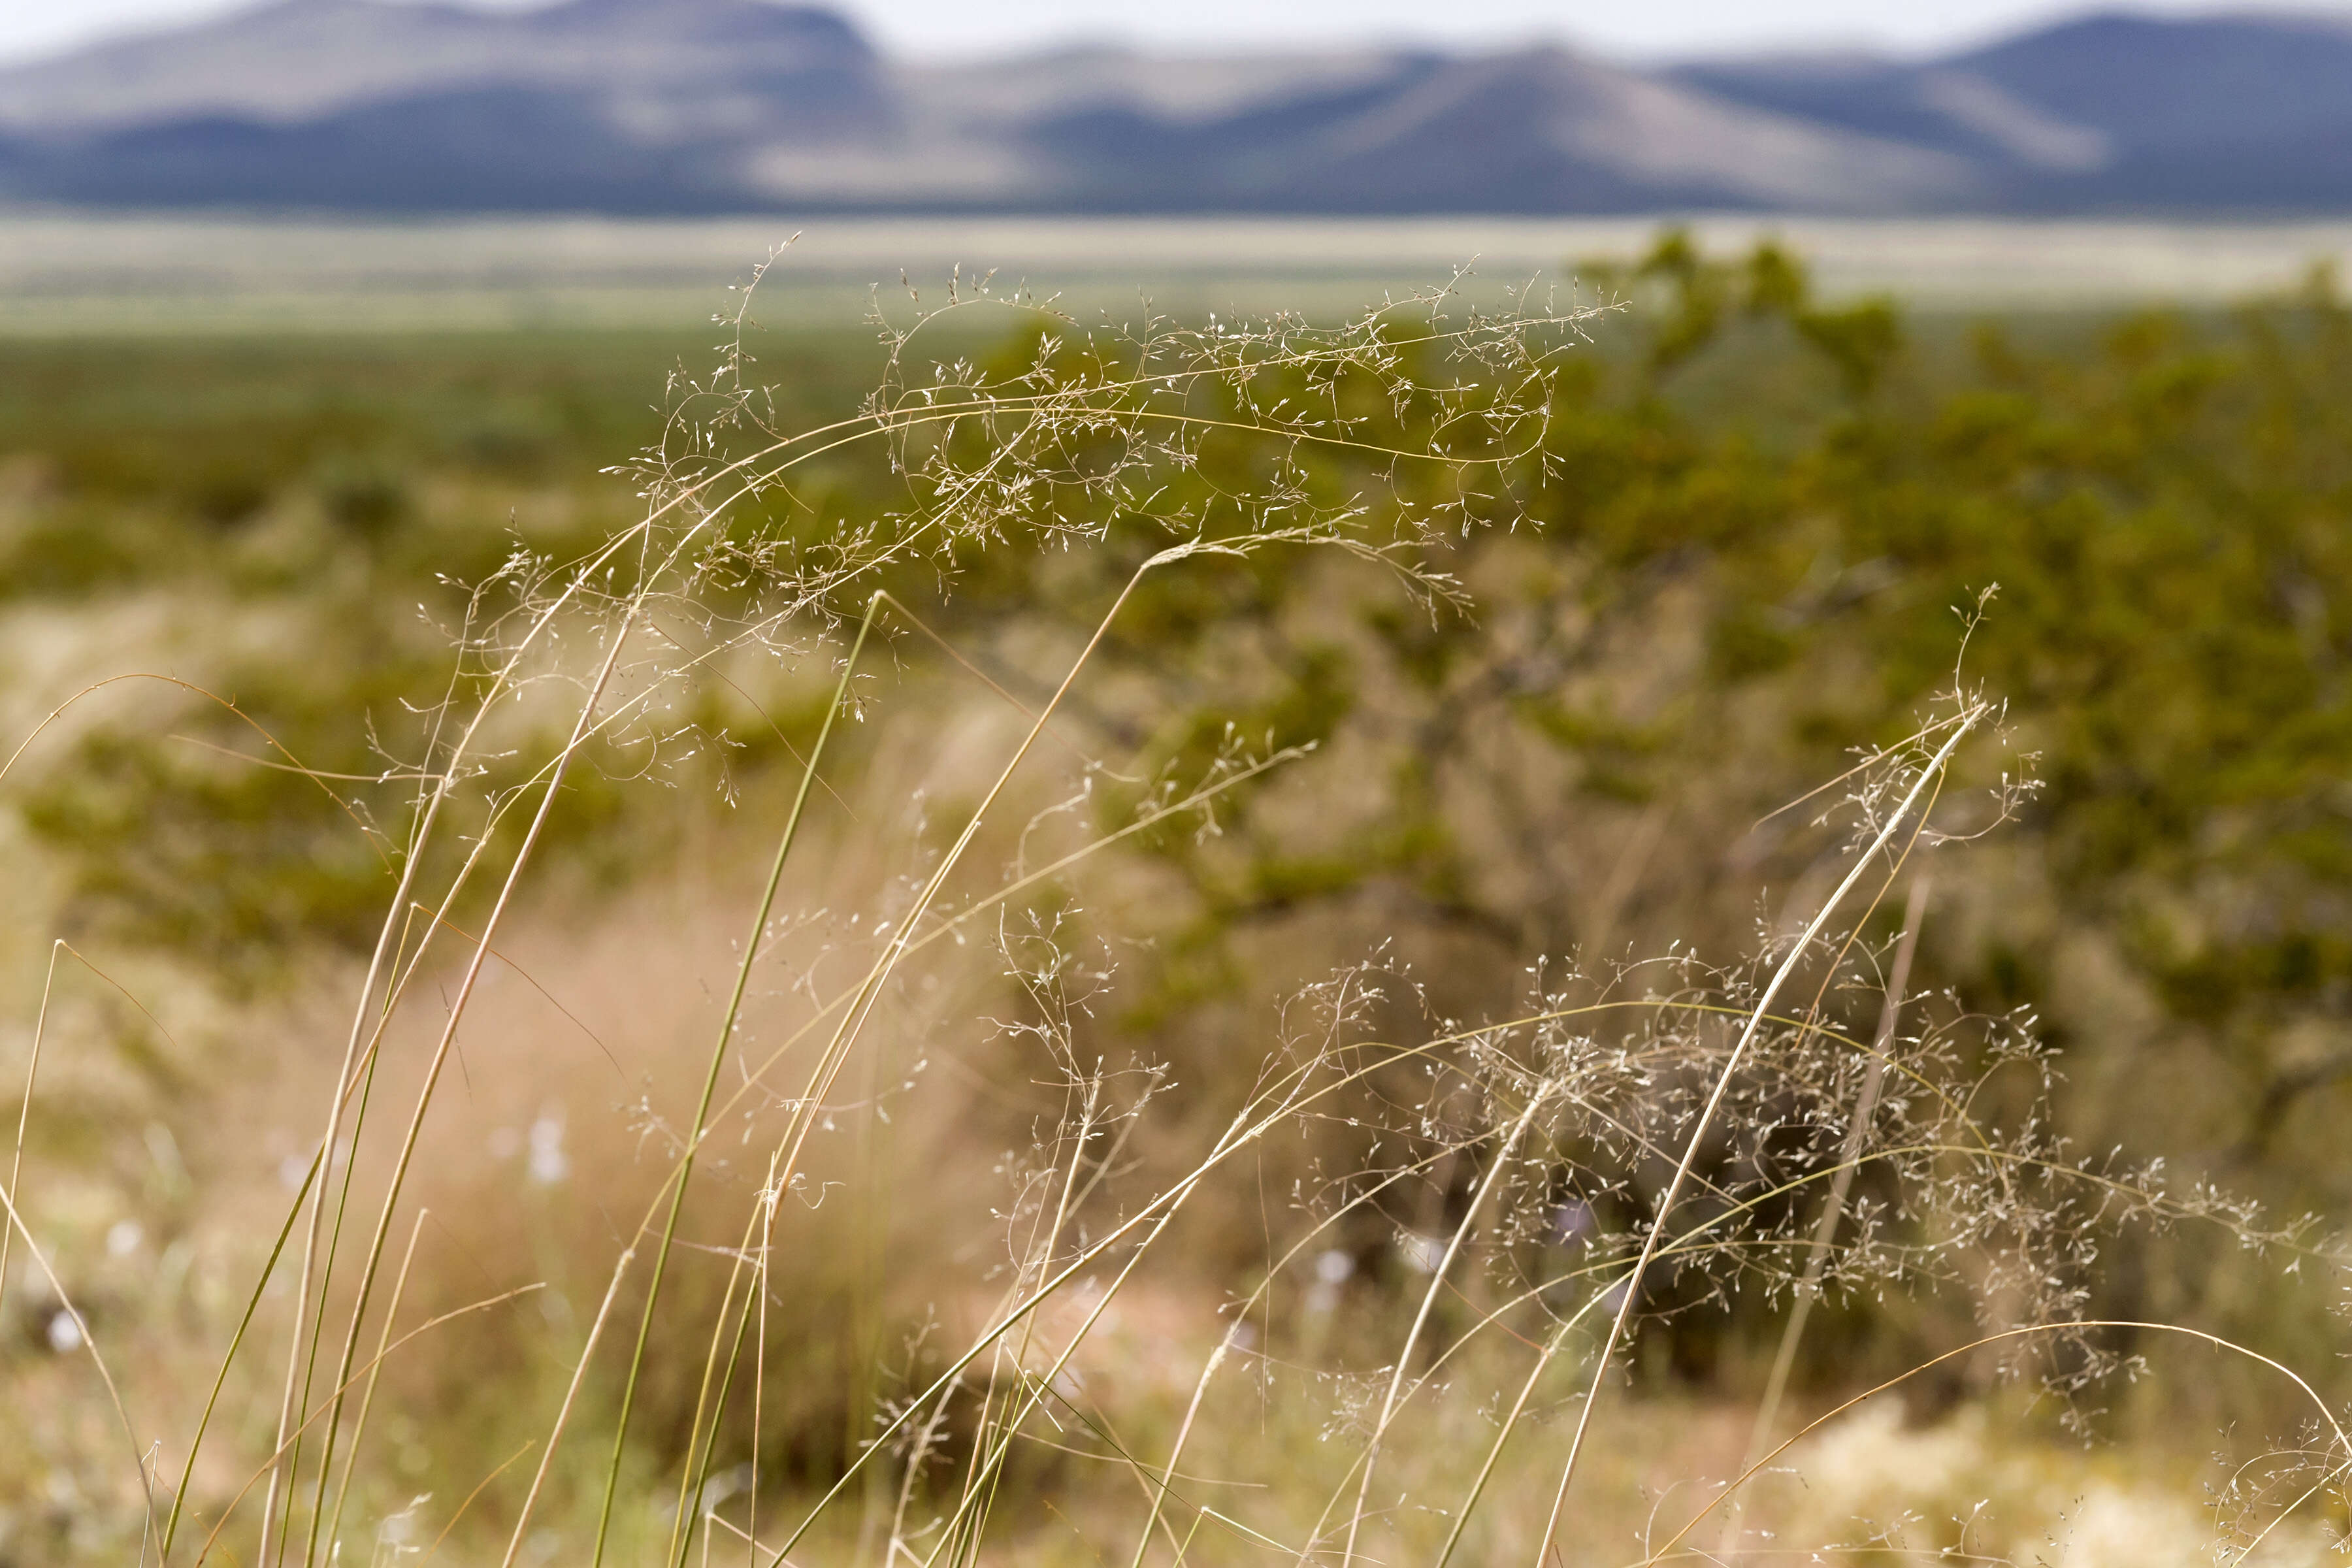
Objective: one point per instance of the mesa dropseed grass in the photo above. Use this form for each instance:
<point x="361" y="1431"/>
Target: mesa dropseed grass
<point x="981" y="978"/>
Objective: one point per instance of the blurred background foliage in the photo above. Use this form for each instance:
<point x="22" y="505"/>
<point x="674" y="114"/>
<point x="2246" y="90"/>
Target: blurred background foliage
<point x="1750" y="540"/>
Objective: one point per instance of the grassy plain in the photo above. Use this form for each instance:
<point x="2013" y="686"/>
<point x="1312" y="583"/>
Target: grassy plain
<point x="80" y="274"/>
<point x="1296" y="1062"/>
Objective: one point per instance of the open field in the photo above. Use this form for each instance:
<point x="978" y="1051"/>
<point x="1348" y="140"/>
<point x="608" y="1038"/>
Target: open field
<point x="66" y="273"/>
<point x="1345" y="904"/>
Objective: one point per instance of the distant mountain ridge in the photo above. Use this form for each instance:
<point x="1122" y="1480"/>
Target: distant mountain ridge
<point x="2110" y="113"/>
<point x="697" y="106"/>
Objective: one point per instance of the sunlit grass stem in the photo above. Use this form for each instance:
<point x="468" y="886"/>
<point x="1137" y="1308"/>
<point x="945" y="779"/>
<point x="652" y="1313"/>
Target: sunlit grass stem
<point x="685" y="1171"/>
<point x="1928" y="775"/>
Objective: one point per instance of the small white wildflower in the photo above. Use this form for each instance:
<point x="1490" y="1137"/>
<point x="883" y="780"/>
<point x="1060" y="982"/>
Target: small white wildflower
<point x="548" y="1164"/>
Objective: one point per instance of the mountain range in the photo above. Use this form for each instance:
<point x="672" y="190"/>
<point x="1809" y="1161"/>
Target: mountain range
<point x="705" y="106"/>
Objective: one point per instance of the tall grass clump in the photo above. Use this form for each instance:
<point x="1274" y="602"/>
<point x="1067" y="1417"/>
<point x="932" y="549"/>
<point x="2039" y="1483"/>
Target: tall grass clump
<point x="921" y="1228"/>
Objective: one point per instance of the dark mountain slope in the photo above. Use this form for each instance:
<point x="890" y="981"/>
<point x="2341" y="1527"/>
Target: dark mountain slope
<point x="650" y="106"/>
<point x="2154" y="85"/>
<point x="1542" y="132"/>
<point x="494" y="148"/>
<point x="2110" y="113"/>
<point x="671" y="69"/>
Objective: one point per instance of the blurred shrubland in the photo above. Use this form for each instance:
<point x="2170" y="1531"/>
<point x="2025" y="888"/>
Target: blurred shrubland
<point x="1641" y="622"/>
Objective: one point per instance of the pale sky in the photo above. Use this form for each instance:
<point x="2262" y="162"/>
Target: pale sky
<point x="1630" y="29"/>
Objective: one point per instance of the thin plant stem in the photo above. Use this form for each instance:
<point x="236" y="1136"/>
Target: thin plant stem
<point x="105" y="1375"/>
<point x="1866" y="1105"/>
<point x="1494" y="1175"/>
<point x="1045" y="1259"/>
<point x="319" y="1322"/>
<point x="684" y="1172"/>
<point x="228" y="1357"/>
<point x="293" y="1214"/>
<point x="845" y="1035"/>
<point x="367" y="1397"/>
<point x="343" y="1079"/>
<point x="1226" y="1342"/>
<point x="480" y="1487"/>
<point x="2326" y="1412"/>
<point x="58" y="948"/>
<point x="719" y="1417"/>
<point x="440" y="1057"/>
<point x="331" y="1402"/>
<point x="571" y="1399"/>
<point x="25" y="1107"/>
<point x="1510" y="1423"/>
<point x="699" y="1438"/>
<point x="1632" y="1285"/>
<point x="766" y="1208"/>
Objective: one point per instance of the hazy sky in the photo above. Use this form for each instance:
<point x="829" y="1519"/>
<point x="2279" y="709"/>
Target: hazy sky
<point x="1627" y="28"/>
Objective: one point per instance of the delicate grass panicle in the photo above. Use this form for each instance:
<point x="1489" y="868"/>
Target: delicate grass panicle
<point x="1466" y="1232"/>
